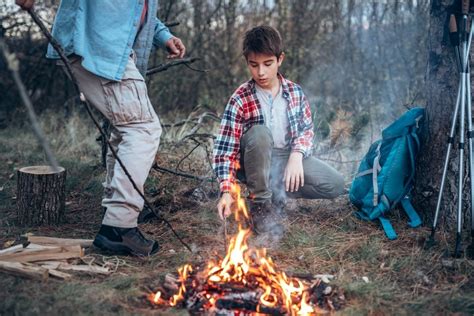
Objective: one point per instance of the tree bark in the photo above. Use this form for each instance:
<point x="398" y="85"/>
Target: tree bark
<point x="442" y="86"/>
<point x="40" y="195"/>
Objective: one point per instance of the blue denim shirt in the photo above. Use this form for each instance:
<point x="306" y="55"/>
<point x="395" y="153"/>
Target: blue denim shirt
<point x="104" y="33"/>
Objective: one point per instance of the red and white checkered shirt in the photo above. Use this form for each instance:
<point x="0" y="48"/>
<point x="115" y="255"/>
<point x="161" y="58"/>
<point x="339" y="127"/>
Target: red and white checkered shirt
<point x="244" y="111"/>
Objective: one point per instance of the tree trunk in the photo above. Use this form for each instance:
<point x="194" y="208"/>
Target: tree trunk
<point x="442" y="86"/>
<point x="40" y="195"/>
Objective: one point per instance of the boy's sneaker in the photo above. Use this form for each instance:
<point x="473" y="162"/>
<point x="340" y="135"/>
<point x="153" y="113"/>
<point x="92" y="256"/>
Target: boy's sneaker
<point x="125" y="241"/>
<point x="264" y="218"/>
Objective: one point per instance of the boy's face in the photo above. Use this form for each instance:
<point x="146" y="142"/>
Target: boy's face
<point x="264" y="69"/>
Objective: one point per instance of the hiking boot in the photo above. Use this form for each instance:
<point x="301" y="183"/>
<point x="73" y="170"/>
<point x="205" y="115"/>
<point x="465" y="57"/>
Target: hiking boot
<point x="264" y="218"/>
<point x="125" y="241"/>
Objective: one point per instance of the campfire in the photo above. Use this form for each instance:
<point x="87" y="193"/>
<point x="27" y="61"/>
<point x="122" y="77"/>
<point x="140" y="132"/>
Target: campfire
<point x="245" y="281"/>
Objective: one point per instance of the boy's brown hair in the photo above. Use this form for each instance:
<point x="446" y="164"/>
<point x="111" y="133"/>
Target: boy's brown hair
<point x="262" y="39"/>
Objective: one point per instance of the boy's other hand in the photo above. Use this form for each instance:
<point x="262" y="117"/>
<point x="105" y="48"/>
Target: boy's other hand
<point x="294" y="173"/>
<point x="25" y="4"/>
<point x="175" y="48"/>
<point x="223" y="207"/>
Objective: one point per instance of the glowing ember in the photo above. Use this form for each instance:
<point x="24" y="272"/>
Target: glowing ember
<point x="244" y="274"/>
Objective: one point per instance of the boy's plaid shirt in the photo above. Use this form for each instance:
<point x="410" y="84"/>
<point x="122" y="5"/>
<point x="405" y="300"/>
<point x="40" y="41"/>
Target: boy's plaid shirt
<point x="243" y="111"/>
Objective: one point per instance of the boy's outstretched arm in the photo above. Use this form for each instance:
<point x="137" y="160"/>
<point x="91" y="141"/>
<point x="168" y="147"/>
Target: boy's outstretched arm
<point x="226" y="153"/>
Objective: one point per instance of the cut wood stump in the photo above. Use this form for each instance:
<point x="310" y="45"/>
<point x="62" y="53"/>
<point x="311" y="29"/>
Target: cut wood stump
<point x="41" y="195"/>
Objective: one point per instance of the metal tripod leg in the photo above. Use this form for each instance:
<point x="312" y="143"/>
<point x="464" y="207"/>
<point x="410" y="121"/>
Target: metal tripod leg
<point x="470" y="135"/>
<point x="446" y="162"/>
<point x="457" y="249"/>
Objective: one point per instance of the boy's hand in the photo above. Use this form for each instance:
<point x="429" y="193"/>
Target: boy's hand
<point x="294" y="173"/>
<point x="175" y="48"/>
<point x="25" y="4"/>
<point x="223" y="207"/>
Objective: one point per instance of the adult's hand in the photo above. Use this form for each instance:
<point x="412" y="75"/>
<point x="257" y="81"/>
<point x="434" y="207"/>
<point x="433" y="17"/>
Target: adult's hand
<point x="175" y="48"/>
<point x="25" y="4"/>
<point x="223" y="207"/>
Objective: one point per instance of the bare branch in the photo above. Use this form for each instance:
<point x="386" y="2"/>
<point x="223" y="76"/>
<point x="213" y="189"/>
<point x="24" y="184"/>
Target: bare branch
<point x="166" y="66"/>
<point x="13" y="65"/>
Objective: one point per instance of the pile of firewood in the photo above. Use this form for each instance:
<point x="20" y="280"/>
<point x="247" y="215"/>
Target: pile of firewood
<point x="39" y="257"/>
<point x="231" y="298"/>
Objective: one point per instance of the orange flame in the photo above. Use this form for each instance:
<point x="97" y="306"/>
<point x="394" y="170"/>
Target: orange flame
<point x="245" y="266"/>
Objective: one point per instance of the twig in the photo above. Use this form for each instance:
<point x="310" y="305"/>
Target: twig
<point x="186" y="156"/>
<point x="166" y="66"/>
<point x="225" y="235"/>
<point x="182" y="174"/>
<point x="195" y="69"/>
<point x="172" y="23"/>
<point x="13" y="65"/>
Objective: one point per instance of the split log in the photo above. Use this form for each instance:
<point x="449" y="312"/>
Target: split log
<point x="52" y="241"/>
<point x="56" y="253"/>
<point x="59" y="274"/>
<point x="24" y="270"/>
<point x="74" y="267"/>
<point x="12" y="249"/>
<point x="23" y="248"/>
<point x="40" y="195"/>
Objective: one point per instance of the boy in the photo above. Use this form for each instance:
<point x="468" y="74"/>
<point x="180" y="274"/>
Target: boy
<point x="108" y="44"/>
<point x="267" y="128"/>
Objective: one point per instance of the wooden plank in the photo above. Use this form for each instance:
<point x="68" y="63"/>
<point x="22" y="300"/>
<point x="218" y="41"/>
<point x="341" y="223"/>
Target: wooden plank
<point x="74" y="267"/>
<point x="52" y="241"/>
<point x="59" y="274"/>
<point x="56" y="253"/>
<point x="12" y="249"/>
<point x="21" y="248"/>
<point x="24" y="270"/>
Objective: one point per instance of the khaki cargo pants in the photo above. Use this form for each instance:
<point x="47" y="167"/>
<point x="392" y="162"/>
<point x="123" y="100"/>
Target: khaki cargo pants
<point x="263" y="168"/>
<point x="135" y="136"/>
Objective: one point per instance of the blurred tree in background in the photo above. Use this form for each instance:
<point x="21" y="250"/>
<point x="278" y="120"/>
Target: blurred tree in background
<point x="361" y="62"/>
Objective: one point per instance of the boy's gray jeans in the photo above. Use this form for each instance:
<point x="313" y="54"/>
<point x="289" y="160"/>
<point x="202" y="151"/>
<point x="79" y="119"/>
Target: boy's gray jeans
<point x="135" y="137"/>
<point x="263" y="168"/>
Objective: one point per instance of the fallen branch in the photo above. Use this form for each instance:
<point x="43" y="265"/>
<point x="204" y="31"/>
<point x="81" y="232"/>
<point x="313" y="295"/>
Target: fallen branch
<point x="166" y="66"/>
<point x="23" y="270"/>
<point x="182" y="174"/>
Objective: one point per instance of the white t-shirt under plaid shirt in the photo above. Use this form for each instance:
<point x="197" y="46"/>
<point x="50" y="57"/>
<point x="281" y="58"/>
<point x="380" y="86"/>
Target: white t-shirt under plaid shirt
<point x="275" y="115"/>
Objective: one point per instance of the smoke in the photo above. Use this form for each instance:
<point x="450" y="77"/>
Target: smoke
<point x="366" y="73"/>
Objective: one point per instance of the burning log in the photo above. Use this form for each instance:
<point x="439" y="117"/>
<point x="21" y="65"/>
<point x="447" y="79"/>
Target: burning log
<point x="248" y="306"/>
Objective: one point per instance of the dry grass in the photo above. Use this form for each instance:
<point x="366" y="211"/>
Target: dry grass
<point x="321" y="237"/>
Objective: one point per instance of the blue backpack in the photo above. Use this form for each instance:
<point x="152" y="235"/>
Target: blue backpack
<point x="386" y="173"/>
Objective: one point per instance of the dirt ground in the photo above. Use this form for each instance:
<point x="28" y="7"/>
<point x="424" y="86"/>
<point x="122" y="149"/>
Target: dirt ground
<point x="378" y="277"/>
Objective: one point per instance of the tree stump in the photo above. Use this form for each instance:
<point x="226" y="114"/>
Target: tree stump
<point x="41" y="195"/>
